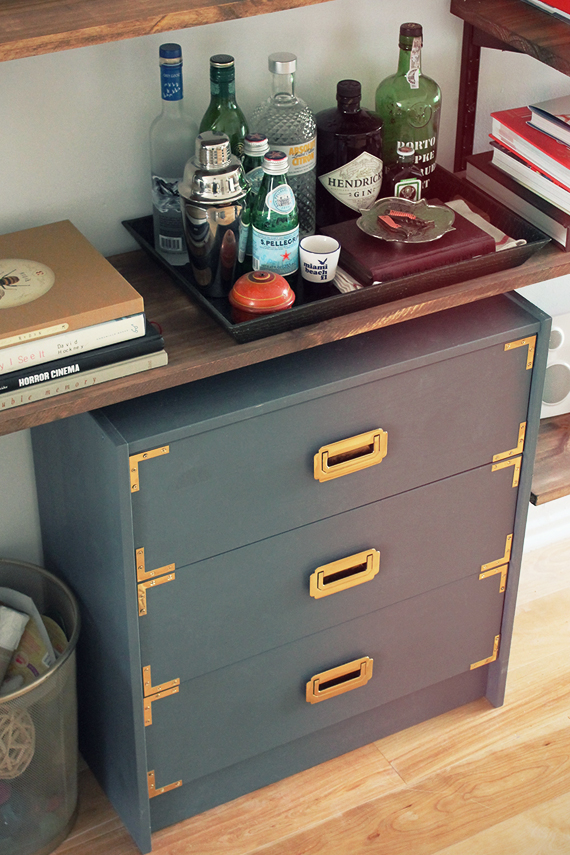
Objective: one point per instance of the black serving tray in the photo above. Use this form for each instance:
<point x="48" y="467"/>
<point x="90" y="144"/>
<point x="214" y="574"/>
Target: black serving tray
<point x="311" y="307"/>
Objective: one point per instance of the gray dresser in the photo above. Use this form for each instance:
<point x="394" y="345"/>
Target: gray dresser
<point x="279" y="564"/>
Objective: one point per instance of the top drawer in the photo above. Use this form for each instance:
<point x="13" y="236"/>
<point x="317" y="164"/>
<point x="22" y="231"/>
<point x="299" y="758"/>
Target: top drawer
<point x="238" y="465"/>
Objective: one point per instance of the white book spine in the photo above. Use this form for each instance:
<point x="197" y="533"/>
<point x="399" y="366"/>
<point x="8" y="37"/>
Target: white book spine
<point x="28" y="354"/>
<point x="51" y="388"/>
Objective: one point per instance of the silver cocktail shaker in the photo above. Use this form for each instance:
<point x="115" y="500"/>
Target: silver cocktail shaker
<point x="212" y="198"/>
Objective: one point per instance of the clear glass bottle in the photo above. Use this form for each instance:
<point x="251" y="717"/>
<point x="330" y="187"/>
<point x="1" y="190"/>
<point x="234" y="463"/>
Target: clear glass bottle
<point x="275" y="220"/>
<point x="409" y="104"/>
<point x="254" y="148"/>
<point x="290" y="127"/>
<point x="404" y="178"/>
<point x="224" y="116"/>
<point x="349" y="157"/>
<point x="172" y="139"/>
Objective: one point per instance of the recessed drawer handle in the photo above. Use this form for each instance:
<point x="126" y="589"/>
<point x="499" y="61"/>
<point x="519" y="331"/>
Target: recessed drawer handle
<point x="344" y="573"/>
<point x="350" y="455"/>
<point x="336" y="681"/>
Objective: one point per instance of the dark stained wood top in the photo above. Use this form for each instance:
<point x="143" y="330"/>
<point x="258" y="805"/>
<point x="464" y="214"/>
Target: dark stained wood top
<point x="30" y="27"/>
<point x="551" y="479"/>
<point x="521" y="26"/>
<point x="198" y="347"/>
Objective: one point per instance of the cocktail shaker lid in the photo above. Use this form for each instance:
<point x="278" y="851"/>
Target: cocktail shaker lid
<point x="214" y="174"/>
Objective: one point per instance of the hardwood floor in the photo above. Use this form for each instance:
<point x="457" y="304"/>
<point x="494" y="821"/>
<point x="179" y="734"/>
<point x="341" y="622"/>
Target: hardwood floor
<point x="475" y="781"/>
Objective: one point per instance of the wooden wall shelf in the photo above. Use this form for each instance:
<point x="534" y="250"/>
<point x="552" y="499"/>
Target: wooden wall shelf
<point x="29" y="27"/>
<point x="551" y="478"/>
<point x="198" y="347"/>
<point x="521" y="27"/>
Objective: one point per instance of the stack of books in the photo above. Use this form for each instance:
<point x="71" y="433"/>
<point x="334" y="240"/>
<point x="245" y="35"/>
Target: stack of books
<point x="528" y="169"/>
<point x="558" y="8"/>
<point x="68" y="319"/>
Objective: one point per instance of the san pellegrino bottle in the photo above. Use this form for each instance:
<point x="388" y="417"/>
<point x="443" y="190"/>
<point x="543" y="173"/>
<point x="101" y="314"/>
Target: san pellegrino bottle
<point x="409" y="104"/>
<point x="275" y="220"/>
<point x="224" y="115"/>
<point x="172" y="139"/>
<point x="349" y="157"/>
<point x="254" y="149"/>
<point x="290" y="127"/>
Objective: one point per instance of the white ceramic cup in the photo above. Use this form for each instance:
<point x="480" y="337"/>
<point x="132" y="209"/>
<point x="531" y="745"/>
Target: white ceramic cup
<point x="319" y="258"/>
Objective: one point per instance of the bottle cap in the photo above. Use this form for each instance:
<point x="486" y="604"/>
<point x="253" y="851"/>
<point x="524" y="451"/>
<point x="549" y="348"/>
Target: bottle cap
<point x="255" y="144"/>
<point x="275" y="163"/>
<point x="282" y="63"/>
<point x="221" y="60"/>
<point x="348" y="89"/>
<point x="411" y="30"/>
<point x="170" y="54"/>
<point x="213" y="150"/>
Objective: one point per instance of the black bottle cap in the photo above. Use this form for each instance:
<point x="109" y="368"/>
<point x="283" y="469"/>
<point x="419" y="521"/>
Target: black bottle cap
<point x="348" y="89"/>
<point x="410" y="30"/>
<point x="221" y="60"/>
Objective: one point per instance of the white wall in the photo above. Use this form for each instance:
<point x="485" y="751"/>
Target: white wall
<point x="74" y="142"/>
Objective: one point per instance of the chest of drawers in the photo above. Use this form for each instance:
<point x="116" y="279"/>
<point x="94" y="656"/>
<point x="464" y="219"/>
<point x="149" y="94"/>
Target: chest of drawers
<point x="282" y="563"/>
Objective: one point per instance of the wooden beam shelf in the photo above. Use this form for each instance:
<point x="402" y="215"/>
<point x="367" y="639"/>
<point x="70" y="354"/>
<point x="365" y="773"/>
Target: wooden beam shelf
<point x="521" y="27"/>
<point x="31" y="27"/>
<point x="551" y="479"/>
<point x="198" y="347"/>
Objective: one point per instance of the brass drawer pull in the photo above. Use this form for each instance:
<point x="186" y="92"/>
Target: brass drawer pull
<point x="350" y="455"/>
<point x="344" y="573"/>
<point x="338" y="680"/>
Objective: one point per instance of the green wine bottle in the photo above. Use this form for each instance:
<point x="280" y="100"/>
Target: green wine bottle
<point x="275" y="220"/>
<point x="409" y="104"/>
<point x="224" y="115"/>
<point x="254" y="150"/>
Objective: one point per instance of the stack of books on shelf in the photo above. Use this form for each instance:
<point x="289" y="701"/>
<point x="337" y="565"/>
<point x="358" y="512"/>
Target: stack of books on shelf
<point x="68" y="319"/>
<point x="528" y="168"/>
<point x="558" y="8"/>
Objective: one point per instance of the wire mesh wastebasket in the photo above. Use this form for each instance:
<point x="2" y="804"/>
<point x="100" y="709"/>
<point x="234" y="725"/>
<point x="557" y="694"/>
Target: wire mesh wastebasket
<point x="38" y="730"/>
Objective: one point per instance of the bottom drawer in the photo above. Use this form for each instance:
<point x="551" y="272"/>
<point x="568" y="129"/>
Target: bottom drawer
<point x="234" y="713"/>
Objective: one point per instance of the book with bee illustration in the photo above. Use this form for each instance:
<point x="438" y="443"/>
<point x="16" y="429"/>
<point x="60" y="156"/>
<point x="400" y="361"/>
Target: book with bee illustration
<point x="52" y="280"/>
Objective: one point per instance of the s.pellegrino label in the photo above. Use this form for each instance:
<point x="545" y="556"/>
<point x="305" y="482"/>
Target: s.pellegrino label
<point x="356" y="184"/>
<point x="276" y="251"/>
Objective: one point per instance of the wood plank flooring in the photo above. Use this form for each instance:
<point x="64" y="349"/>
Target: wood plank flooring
<point x="474" y="781"/>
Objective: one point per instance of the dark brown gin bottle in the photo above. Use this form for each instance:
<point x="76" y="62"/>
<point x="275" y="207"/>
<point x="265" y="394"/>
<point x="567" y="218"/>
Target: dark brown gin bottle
<point x="349" y="157"/>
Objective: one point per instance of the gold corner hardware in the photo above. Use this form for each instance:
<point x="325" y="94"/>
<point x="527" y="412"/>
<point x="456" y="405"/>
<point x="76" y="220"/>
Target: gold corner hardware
<point x="135" y="459"/>
<point x="156" y="693"/>
<point x="516" y="463"/>
<point x="336" y="681"/>
<point x="344" y="573"/>
<point x="491" y="658"/>
<point x="529" y="342"/>
<point x="504" y="559"/>
<point x="518" y="448"/>
<point x="503" y="570"/>
<point x="350" y="455"/>
<point x="153" y="790"/>
<point x="143" y="587"/>
<point x="143" y="574"/>
<point x="149" y="689"/>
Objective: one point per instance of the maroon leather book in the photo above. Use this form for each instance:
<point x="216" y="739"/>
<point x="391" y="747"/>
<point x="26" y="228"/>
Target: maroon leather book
<point x="370" y="259"/>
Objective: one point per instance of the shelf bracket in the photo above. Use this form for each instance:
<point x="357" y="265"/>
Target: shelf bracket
<point x="490" y="658"/>
<point x="529" y="342"/>
<point x="135" y="459"/>
<point x="516" y="463"/>
<point x="153" y="790"/>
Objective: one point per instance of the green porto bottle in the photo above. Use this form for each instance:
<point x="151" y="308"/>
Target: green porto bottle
<point x="254" y="149"/>
<point x="224" y="115"/>
<point x="409" y="104"/>
<point x="275" y="220"/>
